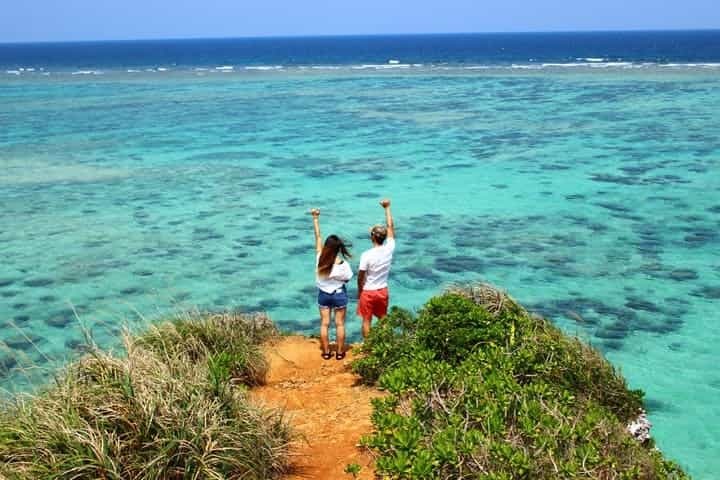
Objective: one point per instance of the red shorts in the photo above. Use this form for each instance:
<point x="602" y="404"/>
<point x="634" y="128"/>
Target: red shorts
<point x="373" y="302"/>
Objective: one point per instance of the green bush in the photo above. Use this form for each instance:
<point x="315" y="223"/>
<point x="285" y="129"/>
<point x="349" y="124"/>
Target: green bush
<point x="391" y="339"/>
<point x="478" y="388"/>
<point x="170" y="408"/>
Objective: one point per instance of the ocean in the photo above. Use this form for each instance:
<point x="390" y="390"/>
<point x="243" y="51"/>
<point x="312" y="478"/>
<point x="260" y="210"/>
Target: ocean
<point x="578" y="171"/>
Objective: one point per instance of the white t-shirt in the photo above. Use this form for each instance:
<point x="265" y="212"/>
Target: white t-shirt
<point x="339" y="275"/>
<point x="376" y="262"/>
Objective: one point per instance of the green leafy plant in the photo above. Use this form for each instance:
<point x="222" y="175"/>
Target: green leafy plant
<point x="479" y="388"/>
<point x="352" y="469"/>
<point x="391" y="339"/>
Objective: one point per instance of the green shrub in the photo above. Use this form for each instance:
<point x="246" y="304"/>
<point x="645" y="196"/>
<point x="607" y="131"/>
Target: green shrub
<point x="564" y="361"/>
<point x="391" y="339"/>
<point x="478" y="388"/>
<point x="453" y="326"/>
<point x="168" y="409"/>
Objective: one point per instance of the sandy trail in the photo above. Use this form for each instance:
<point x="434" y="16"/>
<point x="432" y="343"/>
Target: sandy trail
<point x="325" y="407"/>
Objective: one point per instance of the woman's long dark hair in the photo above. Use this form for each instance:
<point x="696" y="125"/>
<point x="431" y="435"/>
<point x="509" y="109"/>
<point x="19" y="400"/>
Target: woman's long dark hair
<point x="334" y="245"/>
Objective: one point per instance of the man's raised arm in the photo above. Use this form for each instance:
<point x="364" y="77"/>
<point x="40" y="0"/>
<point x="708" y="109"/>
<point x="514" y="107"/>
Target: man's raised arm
<point x="385" y="203"/>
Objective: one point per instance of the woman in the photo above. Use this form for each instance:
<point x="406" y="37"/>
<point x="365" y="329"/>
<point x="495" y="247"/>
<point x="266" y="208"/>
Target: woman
<point x="331" y="274"/>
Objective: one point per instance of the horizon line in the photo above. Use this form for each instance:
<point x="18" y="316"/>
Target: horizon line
<point x="351" y="35"/>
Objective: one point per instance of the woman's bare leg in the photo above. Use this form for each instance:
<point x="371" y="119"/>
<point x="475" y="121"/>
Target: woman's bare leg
<point x="324" y="326"/>
<point x="340" y="328"/>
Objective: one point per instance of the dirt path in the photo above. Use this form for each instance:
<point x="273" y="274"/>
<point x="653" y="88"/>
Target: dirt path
<point x="325" y="407"/>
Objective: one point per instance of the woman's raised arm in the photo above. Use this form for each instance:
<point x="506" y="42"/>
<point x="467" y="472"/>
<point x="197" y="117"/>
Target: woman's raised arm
<point x="316" y="225"/>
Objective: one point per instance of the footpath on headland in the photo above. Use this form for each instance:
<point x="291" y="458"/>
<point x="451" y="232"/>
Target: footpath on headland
<point x="325" y="404"/>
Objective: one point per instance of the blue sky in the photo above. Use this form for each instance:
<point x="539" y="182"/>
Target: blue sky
<point x="38" y="20"/>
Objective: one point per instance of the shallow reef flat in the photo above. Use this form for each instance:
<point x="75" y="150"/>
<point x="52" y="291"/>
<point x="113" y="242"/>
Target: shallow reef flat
<point x="580" y="193"/>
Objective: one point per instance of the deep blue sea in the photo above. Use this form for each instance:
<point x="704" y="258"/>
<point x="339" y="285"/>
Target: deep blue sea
<point x="425" y="50"/>
<point x="579" y="171"/>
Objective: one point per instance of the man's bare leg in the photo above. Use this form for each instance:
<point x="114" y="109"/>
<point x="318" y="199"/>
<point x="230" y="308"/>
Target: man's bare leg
<point x="367" y="322"/>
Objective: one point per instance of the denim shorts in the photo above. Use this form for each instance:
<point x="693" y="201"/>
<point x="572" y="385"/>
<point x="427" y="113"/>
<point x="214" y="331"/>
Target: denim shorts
<point x="338" y="299"/>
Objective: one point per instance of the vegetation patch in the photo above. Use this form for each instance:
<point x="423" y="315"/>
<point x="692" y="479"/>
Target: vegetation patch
<point x="174" y="406"/>
<point x="479" y="388"/>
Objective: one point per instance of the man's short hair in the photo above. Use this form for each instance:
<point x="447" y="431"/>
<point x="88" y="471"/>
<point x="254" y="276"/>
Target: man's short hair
<point x="379" y="233"/>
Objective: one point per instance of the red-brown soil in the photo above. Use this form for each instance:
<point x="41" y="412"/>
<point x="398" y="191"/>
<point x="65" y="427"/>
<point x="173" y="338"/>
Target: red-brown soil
<point x="326" y="407"/>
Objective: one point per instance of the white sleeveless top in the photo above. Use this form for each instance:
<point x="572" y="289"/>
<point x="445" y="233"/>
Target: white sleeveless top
<point x="339" y="275"/>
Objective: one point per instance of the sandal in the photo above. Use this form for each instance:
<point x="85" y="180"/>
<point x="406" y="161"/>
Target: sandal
<point x="339" y="355"/>
<point x="326" y="355"/>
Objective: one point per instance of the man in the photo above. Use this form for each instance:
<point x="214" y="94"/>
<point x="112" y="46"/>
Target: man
<point x="374" y="270"/>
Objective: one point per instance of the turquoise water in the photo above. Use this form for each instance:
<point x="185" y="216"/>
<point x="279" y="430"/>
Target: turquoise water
<point x="591" y="195"/>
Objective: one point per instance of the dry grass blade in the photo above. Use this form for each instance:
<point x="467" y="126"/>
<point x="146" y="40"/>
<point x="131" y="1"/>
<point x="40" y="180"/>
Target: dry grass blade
<point x="492" y="298"/>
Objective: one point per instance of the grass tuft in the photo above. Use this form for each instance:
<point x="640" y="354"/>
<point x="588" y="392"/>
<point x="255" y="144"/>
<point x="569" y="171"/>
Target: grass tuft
<point x="173" y="407"/>
<point x="234" y="336"/>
